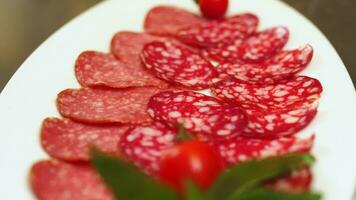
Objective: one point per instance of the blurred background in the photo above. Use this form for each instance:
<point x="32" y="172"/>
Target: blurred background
<point x="25" y="24"/>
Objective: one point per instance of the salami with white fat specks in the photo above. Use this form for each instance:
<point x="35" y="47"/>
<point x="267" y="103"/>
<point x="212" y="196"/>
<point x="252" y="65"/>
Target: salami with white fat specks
<point x="106" y="105"/>
<point x="143" y="144"/>
<point x="274" y="110"/>
<point x="178" y="64"/>
<point x="283" y="65"/>
<point x="67" y="140"/>
<point x="167" y="20"/>
<point x="256" y="48"/>
<point x="57" y="180"/>
<point x="298" y="181"/>
<point x="241" y="149"/>
<point x="95" y="69"/>
<point x="201" y="114"/>
<point x="213" y="32"/>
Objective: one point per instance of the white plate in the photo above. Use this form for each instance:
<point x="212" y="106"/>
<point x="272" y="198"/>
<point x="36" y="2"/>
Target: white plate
<point x="30" y="95"/>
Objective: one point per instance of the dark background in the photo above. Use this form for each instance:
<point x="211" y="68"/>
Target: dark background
<point x="25" y="24"/>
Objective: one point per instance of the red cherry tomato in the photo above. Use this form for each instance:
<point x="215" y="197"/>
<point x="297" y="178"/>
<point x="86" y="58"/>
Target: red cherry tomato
<point x="190" y="161"/>
<point x="213" y="8"/>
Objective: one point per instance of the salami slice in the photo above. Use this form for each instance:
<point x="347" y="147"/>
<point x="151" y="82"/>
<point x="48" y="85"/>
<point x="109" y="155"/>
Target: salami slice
<point x="255" y="48"/>
<point x="282" y="66"/>
<point x="274" y="110"/>
<point x="213" y="32"/>
<point x="63" y="181"/>
<point x="144" y="144"/>
<point x="200" y="114"/>
<point x="179" y="65"/>
<point x="106" y="105"/>
<point x="297" y="181"/>
<point x="167" y="20"/>
<point x="95" y="69"/>
<point x="241" y="149"/>
<point x="67" y="140"/>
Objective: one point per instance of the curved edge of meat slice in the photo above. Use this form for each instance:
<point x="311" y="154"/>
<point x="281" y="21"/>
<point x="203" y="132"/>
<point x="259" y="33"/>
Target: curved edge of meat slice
<point x="51" y="179"/>
<point x="167" y="20"/>
<point x="101" y="106"/>
<point x="298" y="181"/>
<point x="67" y="140"/>
<point x="203" y="115"/>
<point x="178" y="64"/>
<point x="96" y="69"/>
<point x="144" y="144"/>
<point x="213" y="32"/>
<point x="274" y="110"/>
<point x="283" y="65"/>
<point x="242" y="149"/>
<point x="264" y="44"/>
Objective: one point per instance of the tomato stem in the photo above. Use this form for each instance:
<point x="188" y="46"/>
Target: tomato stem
<point x="196" y="1"/>
<point x="182" y="134"/>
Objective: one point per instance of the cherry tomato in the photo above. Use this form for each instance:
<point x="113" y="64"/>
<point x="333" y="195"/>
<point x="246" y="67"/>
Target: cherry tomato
<point x="190" y="161"/>
<point x="213" y="8"/>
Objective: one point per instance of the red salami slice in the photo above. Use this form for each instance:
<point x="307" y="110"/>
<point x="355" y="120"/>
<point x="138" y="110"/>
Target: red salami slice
<point x="67" y="140"/>
<point x="179" y="65"/>
<point x="263" y="44"/>
<point x="256" y="48"/>
<point x="106" y="105"/>
<point x="242" y="149"/>
<point x="95" y="69"/>
<point x="217" y="31"/>
<point x="274" y="110"/>
<point x="167" y="20"/>
<point x="144" y="144"/>
<point x="283" y="65"/>
<point x="63" y="181"/>
<point x="296" y="182"/>
<point x="198" y="113"/>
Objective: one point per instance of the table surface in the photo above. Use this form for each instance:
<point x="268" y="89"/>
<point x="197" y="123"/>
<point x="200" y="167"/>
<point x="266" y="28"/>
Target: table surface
<point x="25" y="24"/>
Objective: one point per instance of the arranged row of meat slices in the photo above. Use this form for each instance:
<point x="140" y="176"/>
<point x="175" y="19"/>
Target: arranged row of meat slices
<point x="134" y="97"/>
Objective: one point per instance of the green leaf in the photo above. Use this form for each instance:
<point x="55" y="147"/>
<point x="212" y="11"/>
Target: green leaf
<point x="127" y="182"/>
<point x="248" y="175"/>
<point x="263" y="194"/>
<point x="192" y="192"/>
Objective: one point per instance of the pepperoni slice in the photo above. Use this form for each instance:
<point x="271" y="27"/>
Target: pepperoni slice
<point x="179" y="65"/>
<point x="255" y="48"/>
<point x="67" y="140"/>
<point x="297" y="181"/>
<point x="274" y="110"/>
<point x="95" y="69"/>
<point x="241" y="149"/>
<point x="106" y="105"/>
<point x="167" y="20"/>
<point x="144" y="144"/>
<point x="217" y="31"/>
<point x="63" y="181"/>
<point x="282" y="66"/>
<point x="198" y="113"/>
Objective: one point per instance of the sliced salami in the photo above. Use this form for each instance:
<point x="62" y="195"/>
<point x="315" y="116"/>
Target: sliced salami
<point x="63" y="181"/>
<point x="255" y="48"/>
<point x="178" y="64"/>
<point x="144" y="144"/>
<point x="241" y="149"/>
<point x="106" y="105"/>
<point x="283" y="65"/>
<point x="167" y="20"/>
<point x="297" y="181"/>
<point x="213" y="32"/>
<point x="200" y="114"/>
<point x="274" y="110"/>
<point x="95" y="69"/>
<point x="127" y="46"/>
<point x="67" y="140"/>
